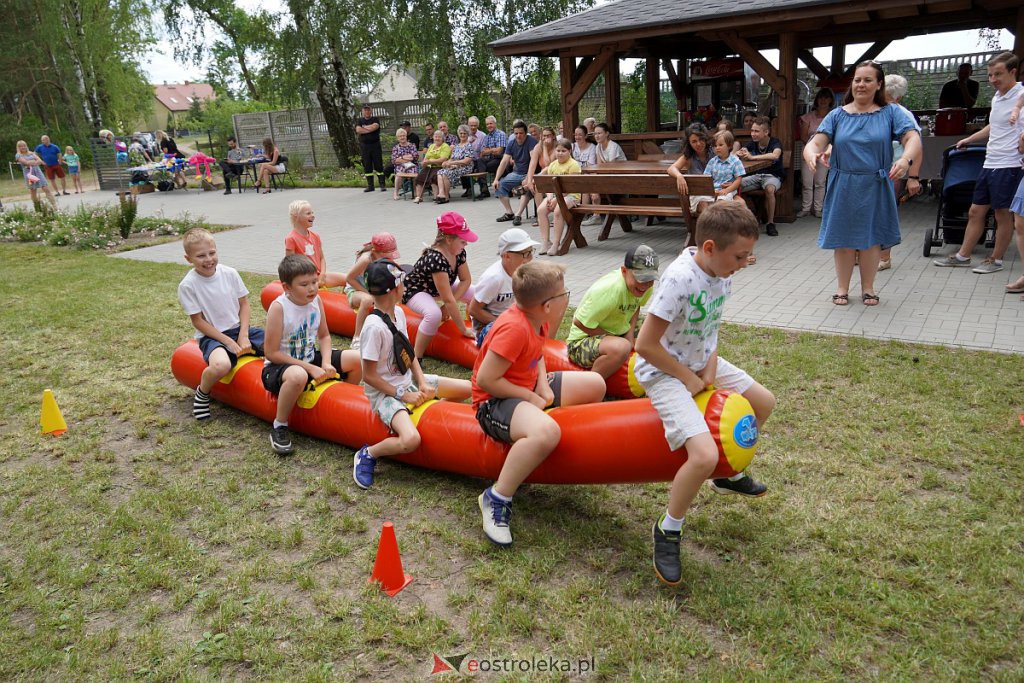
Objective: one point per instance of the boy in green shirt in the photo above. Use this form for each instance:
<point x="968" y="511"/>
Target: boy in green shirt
<point x="604" y="326"/>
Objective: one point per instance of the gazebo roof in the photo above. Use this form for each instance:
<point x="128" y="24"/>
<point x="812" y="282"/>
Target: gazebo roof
<point x="638" y="24"/>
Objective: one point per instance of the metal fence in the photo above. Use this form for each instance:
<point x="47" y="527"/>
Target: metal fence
<point x="302" y="135"/>
<point x="111" y="175"/>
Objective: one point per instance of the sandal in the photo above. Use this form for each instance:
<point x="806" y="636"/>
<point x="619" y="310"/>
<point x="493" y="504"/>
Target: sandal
<point x="840" y="299"/>
<point x="1016" y="287"/>
<point x="869" y="299"/>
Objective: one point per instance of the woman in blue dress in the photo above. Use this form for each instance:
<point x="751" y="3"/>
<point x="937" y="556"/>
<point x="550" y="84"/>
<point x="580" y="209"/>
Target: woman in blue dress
<point x="860" y="206"/>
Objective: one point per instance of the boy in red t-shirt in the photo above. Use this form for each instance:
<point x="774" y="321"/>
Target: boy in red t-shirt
<point x="304" y="242"/>
<point x="511" y="387"/>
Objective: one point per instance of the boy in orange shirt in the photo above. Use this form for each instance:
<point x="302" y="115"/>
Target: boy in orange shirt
<point x="511" y="387"/>
<point x="303" y="241"/>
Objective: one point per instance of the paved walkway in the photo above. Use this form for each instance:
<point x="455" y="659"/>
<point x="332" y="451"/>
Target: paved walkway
<point x="790" y="286"/>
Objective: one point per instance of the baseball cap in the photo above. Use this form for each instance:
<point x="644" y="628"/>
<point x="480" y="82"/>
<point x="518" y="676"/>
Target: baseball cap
<point x="404" y="123"/>
<point x="452" y="223"/>
<point x="515" y="239"/>
<point x="643" y="261"/>
<point x="385" y="244"/>
<point x="382" y="276"/>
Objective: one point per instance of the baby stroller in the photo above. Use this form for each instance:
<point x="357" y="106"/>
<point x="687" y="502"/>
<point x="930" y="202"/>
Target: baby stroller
<point x="960" y="169"/>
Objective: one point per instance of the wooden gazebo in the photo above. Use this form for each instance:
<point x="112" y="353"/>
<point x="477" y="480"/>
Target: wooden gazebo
<point x="667" y="33"/>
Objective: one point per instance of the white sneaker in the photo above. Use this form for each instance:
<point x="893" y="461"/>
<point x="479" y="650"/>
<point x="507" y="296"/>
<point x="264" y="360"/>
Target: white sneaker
<point x="496" y="514"/>
<point x="355" y="344"/>
<point x="593" y="219"/>
<point x="802" y="212"/>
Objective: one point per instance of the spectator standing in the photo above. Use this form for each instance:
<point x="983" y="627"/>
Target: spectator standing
<point x="368" y="129"/>
<point x="895" y="89"/>
<point x="1001" y="172"/>
<point x="814" y="183"/>
<point x="74" y="164"/>
<point x="52" y="159"/>
<point x="961" y="91"/>
<point x="32" y="169"/>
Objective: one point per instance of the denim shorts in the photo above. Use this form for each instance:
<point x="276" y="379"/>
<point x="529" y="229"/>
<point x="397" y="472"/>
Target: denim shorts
<point x="208" y="344"/>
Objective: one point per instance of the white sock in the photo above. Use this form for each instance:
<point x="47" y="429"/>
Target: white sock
<point x="670" y="523"/>
<point x="495" y="494"/>
<point x="997" y="261"/>
<point x="961" y="258"/>
<point x="737" y="477"/>
<point x="279" y="424"/>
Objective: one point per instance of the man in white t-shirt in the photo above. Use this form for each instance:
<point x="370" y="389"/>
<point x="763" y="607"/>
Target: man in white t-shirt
<point x="492" y="293"/>
<point x="1001" y="174"/>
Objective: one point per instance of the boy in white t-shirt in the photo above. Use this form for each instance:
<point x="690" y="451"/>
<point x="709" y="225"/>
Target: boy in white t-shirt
<point x="392" y="377"/>
<point x="298" y="347"/>
<point x="678" y="358"/>
<point x="216" y="301"/>
<point x="492" y="292"/>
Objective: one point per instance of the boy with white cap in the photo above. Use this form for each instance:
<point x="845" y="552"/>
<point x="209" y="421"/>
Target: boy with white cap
<point x="492" y="294"/>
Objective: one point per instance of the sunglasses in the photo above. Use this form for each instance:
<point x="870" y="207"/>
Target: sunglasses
<point x="525" y="254"/>
<point x="556" y="296"/>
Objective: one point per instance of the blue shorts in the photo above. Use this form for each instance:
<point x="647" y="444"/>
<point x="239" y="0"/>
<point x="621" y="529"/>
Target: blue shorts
<point x="208" y="344"/>
<point x="995" y="187"/>
<point x="72" y="170"/>
<point x="509" y="183"/>
<point x="482" y="332"/>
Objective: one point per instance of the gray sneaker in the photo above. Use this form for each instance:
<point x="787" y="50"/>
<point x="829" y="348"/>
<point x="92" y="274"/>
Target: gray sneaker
<point x="952" y="261"/>
<point x="989" y="265"/>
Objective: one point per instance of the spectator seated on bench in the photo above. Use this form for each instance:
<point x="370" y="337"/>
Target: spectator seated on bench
<point x="763" y="146"/>
<point x="517" y="154"/>
<point x="404" y="156"/>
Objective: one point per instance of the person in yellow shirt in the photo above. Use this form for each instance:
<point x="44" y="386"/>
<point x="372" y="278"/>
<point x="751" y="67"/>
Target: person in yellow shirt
<point x="549" y="208"/>
<point x="436" y="154"/>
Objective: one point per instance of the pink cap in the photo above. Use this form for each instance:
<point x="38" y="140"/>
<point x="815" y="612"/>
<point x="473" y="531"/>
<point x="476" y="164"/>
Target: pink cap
<point x="385" y="244"/>
<point x="452" y="223"/>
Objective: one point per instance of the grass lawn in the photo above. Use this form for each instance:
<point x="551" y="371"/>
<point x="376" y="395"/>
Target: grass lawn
<point x="140" y="543"/>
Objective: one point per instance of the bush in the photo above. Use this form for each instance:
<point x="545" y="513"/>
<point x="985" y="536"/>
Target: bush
<point x="126" y="213"/>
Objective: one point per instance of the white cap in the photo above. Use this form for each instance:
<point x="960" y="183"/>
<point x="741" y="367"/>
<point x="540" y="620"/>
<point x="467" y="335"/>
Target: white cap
<point x="515" y="239"/>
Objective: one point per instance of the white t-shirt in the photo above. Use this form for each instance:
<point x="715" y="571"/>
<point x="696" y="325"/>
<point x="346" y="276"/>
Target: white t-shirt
<point x="375" y="343"/>
<point x="612" y="153"/>
<point x="216" y="297"/>
<point x="692" y="302"/>
<point x="494" y="291"/>
<point x="1001" y="151"/>
<point x="584" y="157"/>
<point x="300" y="327"/>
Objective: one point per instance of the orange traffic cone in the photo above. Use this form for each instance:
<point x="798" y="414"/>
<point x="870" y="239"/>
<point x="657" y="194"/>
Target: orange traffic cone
<point x="387" y="570"/>
<point x="50" y="419"/>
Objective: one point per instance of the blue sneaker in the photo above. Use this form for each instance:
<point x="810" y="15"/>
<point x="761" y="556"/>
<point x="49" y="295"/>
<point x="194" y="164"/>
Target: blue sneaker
<point x="497" y="514"/>
<point x="363" y="465"/>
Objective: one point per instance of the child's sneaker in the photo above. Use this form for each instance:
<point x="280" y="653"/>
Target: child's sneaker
<point x="745" y="486"/>
<point x="355" y="344"/>
<point x="666" y="555"/>
<point x="281" y="440"/>
<point x="363" y="465"/>
<point x="200" y="405"/>
<point x="497" y="514"/>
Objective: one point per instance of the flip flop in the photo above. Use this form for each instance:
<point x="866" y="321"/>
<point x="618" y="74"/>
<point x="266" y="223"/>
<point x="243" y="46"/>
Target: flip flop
<point x="1016" y="287"/>
<point x="869" y="299"/>
<point x="840" y="299"/>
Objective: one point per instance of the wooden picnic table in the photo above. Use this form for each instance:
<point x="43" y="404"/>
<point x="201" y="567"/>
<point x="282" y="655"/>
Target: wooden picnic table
<point x="654" y="167"/>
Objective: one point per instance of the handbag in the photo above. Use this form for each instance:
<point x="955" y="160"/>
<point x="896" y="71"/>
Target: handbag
<point x="403" y="349"/>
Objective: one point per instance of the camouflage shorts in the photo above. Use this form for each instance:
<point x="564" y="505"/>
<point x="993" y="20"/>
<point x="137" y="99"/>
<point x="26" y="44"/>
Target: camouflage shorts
<point x="583" y="352"/>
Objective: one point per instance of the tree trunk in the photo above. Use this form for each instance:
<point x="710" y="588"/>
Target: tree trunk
<point x="77" y="63"/>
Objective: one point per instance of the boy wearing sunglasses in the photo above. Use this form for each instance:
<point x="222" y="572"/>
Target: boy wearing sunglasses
<point x="492" y="294"/>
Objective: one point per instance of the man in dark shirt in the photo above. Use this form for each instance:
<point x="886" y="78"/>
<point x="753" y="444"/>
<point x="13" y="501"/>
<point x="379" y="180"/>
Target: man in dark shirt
<point x="368" y="128"/>
<point x="763" y="147"/>
<point x="517" y="153"/>
<point x="428" y="135"/>
<point x="962" y="92"/>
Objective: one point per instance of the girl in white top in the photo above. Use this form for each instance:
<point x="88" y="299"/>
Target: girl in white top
<point x="607" y="149"/>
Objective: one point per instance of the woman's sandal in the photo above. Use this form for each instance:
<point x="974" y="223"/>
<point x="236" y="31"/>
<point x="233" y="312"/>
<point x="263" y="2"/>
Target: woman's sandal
<point x="869" y="299"/>
<point x="417" y="200"/>
<point x="840" y="299"/>
<point x="1016" y="287"/>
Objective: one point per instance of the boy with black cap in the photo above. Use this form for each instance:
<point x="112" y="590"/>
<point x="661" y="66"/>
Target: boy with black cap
<point x="604" y="325"/>
<point x="392" y="377"/>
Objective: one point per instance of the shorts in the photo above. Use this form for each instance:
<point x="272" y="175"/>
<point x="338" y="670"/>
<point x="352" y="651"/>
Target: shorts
<point x="279" y="168"/>
<point x="759" y="181"/>
<point x="208" y="344"/>
<point x="350" y="293"/>
<point x="274" y="372"/>
<point x="584" y="351"/>
<point x="995" y="187"/>
<point x="482" y="333"/>
<point x="509" y="183"/>
<point x="54" y="171"/>
<point x="495" y="414"/>
<point x="694" y="201"/>
<point x="386" y="406"/>
<point x="1017" y="206"/>
<point x="72" y="170"/>
<point x="675" y="406"/>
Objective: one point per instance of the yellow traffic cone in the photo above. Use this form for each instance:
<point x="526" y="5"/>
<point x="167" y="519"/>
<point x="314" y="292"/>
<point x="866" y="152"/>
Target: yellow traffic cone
<point x="50" y="418"/>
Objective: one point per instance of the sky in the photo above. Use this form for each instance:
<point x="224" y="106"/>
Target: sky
<point x="161" y="67"/>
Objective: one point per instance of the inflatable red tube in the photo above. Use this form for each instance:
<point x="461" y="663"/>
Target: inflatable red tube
<point x="450" y="345"/>
<point x="602" y="443"/>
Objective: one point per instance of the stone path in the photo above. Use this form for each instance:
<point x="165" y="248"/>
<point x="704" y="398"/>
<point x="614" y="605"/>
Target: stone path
<point x="790" y="286"/>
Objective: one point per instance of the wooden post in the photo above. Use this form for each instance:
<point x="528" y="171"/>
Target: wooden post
<point x="570" y="110"/>
<point x="613" y="94"/>
<point x="1018" y="37"/>
<point x="786" y="121"/>
<point x="653" y="94"/>
<point x="838" y="59"/>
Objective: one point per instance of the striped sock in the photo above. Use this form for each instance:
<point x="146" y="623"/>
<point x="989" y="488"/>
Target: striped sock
<point x="201" y="405"/>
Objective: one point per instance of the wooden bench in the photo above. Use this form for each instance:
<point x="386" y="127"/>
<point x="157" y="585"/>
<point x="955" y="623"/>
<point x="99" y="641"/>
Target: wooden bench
<point x="625" y="196"/>
<point x="400" y="179"/>
<point x="755" y="198"/>
<point x="473" y="178"/>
